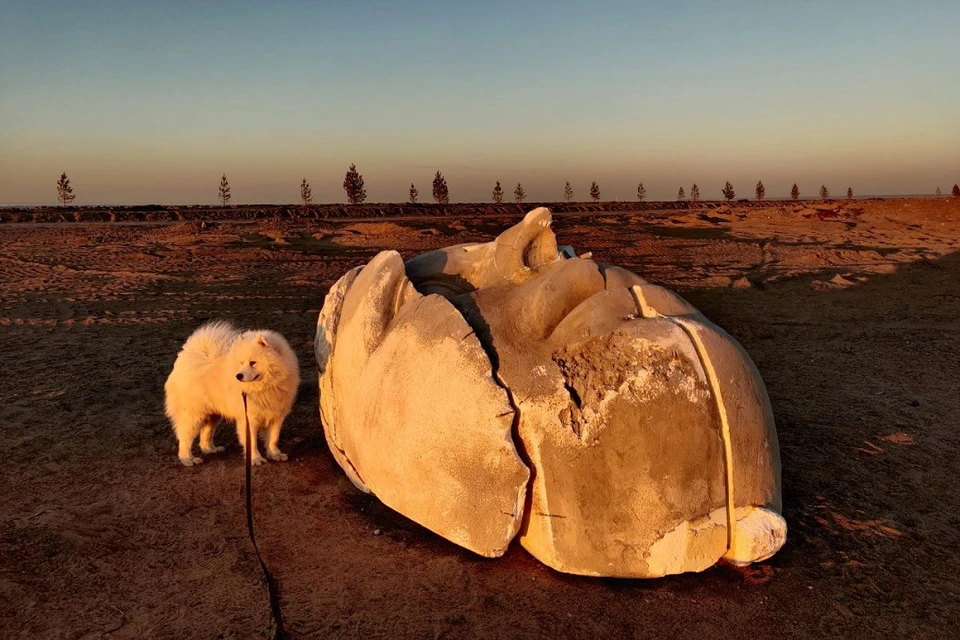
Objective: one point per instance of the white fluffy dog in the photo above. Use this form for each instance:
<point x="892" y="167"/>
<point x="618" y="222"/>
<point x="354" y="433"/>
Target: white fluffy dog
<point x="216" y="365"/>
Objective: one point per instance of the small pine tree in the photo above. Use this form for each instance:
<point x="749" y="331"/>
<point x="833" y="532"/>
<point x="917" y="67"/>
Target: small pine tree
<point x="760" y="190"/>
<point x="795" y="192"/>
<point x="641" y="192"/>
<point x="498" y="193"/>
<point x="305" y="194"/>
<point x="849" y="193"/>
<point x="64" y="191"/>
<point x="694" y="193"/>
<point x="353" y="185"/>
<point x="519" y="194"/>
<point x="440" y="192"/>
<point x="728" y="192"/>
<point x="414" y="194"/>
<point x="224" y="194"/>
<point x="681" y="195"/>
<point x="595" y="191"/>
<point x="824" y="192"/>
<point x="938" y="193"/>
<point x="956" y="191"/>
<point x="567" y="192"/>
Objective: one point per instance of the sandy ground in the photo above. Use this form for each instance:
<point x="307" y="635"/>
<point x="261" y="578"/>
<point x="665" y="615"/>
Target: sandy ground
<point x="852" y="315"/>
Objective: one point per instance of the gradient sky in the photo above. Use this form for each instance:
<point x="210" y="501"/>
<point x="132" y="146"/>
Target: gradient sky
<point x="150" y="102"/>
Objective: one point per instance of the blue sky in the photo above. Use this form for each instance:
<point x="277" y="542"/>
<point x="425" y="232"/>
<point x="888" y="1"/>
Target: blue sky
<point x="151" y="102"/>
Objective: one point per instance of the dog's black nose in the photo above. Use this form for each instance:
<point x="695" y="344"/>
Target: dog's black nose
<point x="240" y="376"/>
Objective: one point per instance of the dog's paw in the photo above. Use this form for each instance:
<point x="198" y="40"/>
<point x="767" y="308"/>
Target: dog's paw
<point x="256" y="462"/>
<point x="191" y="461"/>
<point x="278" y="456"/>
<point x="214" y="450"/>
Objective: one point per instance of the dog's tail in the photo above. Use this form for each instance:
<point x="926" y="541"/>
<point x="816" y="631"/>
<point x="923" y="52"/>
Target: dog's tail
<point x="211" y="340"/>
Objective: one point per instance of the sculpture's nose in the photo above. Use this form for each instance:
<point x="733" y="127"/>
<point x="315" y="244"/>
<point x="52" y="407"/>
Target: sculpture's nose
<point x="758" y="535"/>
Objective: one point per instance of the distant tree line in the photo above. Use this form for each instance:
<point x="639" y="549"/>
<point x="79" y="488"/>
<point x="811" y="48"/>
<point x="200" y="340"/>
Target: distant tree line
<point x="354" y="186"/>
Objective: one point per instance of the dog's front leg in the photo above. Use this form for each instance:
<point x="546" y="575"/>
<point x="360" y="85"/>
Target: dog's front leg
<point x="273" y="437"/>
<point x="255" y="458"/>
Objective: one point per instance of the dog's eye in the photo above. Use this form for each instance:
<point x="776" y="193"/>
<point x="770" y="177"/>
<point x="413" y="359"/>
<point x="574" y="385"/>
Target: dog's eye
<point x="253" y="362"/>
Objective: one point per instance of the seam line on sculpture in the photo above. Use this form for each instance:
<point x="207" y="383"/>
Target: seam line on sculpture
<point x="724" y="430"/>
<point x="649" y="312"/>
<point x="638" y="301"/>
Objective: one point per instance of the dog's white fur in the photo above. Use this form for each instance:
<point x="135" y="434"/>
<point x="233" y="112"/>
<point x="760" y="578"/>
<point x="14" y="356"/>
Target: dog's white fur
<point x="218" y="363"/>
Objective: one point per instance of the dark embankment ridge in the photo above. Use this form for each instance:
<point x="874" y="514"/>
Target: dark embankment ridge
<point x="211" y="213"/>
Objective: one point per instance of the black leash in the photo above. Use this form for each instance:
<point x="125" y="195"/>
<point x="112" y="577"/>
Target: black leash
<point x="279" y="633"/>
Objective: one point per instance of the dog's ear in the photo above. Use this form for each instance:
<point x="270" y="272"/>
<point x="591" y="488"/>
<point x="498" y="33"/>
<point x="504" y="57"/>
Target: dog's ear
<point x="262" y="340"/>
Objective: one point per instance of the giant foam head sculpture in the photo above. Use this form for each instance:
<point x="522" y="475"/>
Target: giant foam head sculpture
<point x="501" y="390"/>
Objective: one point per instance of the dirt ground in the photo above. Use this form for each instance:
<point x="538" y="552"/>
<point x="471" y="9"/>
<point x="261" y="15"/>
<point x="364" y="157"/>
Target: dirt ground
<point x="851" y="313"/>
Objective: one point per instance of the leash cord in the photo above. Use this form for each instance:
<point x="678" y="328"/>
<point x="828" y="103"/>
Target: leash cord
<point x="279" y="633"/>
